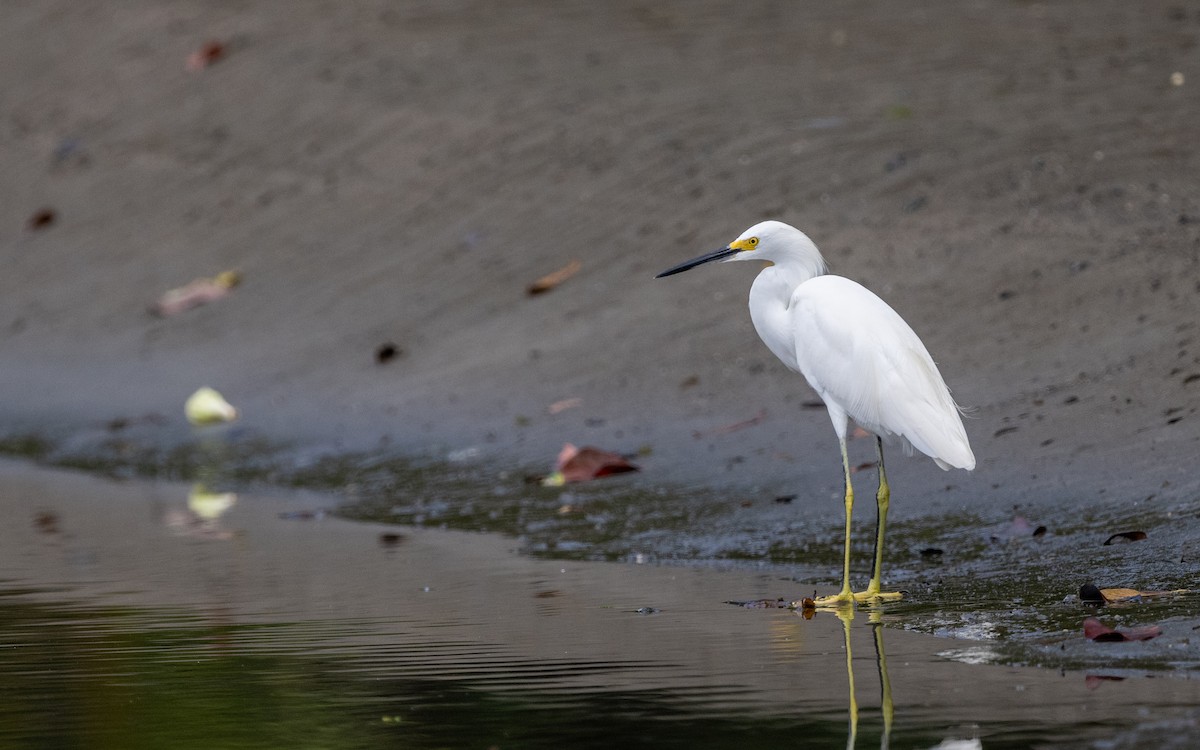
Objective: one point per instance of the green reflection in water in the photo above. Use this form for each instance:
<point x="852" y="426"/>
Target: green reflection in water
<point x="109" y="678"/>
<point x="121" y="678"/>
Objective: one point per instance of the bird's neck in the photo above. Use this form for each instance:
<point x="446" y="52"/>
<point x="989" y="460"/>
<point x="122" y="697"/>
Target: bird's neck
<point x="778" y="281"/>
<point x="770" y="296"/>
<point x="793" y="274"/>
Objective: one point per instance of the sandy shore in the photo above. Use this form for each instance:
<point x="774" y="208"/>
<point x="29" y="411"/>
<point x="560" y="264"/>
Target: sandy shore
<point x="1017" y="179"/>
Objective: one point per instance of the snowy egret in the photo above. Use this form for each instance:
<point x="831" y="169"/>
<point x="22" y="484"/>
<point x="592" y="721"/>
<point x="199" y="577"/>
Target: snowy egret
<point x="860" y="357"/>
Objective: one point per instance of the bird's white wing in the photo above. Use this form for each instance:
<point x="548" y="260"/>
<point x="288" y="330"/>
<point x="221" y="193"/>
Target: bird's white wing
<point x="859" y="354"/>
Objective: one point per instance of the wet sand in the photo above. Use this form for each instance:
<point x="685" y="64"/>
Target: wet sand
<point x="443" y="606"/>
<point x="1016" y="179"/>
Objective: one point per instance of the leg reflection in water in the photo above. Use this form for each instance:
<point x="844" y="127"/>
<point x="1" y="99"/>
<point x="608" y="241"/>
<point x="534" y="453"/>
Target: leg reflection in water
<point x="846" y="615"/>
<point x="885" y="685"/>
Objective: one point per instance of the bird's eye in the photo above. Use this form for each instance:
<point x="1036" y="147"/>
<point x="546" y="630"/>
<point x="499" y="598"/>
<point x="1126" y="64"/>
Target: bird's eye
<point x="753" y="241"/>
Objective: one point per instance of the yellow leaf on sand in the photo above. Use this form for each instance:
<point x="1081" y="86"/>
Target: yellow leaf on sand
<point x="1120" y="595"/>
<point x="1125" y="595"/>
<point x="206" y="406"/>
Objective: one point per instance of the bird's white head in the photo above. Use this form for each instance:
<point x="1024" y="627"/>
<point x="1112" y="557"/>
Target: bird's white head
<point x="771" y="241"/>
<point x="779" y="243"/>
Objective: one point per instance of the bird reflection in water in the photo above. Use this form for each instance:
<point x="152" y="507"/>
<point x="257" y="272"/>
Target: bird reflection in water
<point x="875" y="618"/>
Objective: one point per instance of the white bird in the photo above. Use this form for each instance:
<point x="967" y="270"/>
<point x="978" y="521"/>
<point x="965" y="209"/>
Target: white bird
<point x="860" y="357"/>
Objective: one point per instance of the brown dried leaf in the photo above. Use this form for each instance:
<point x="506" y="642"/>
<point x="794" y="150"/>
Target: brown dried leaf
<point x="779" y="603"/>
<point x="386" y="352"/>
<point x="564" y="404"/>
<point x="390" y="539"/>
<point x="195" y="293"/>
<point x="208" y="53"/>
<point x="553" y="279"/>
<point x="808" y="607"/>
<point x="304" y="515"/>
<point x="46" y="521"/>
<point x="1093" y="595"/>
<point x="734" y="427"/>
<point x="42" y="218"/>
<point x="1125" y="536"/>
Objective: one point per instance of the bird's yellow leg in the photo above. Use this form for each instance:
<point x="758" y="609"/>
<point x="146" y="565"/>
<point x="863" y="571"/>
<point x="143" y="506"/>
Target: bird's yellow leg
<point x="882" y="501"/>
<point x="845" y="596"/>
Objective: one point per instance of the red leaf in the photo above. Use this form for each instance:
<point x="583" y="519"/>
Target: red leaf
<point x="582" y="464"/>
<point x="1095" y="630"/>
<point x="1144" y="633"/>
<point x="1093" y="681"/>
<point x="1019" y="528"/>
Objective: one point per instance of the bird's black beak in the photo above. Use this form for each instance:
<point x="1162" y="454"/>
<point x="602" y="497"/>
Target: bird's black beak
<point x="724" y="252"/>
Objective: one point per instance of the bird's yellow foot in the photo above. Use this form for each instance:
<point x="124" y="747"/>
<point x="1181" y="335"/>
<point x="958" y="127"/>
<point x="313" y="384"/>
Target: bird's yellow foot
<point x="848" y="599"/>
<point x="875" y="595"/>
<point x="841" y="599"/>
